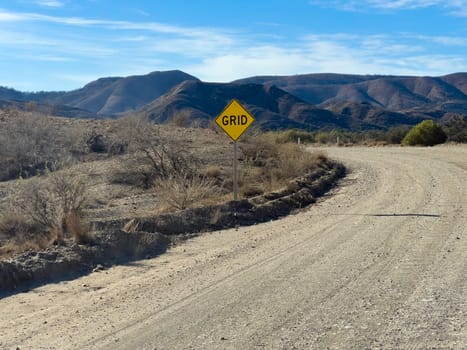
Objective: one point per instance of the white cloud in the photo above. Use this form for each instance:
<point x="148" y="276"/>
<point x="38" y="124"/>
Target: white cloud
<point x="219" y="55"/>
<point x="261" y="60"/>
<point x="454" y="7"/>
<point x="337" y="53"/>
<point x="443" y="40"/>
<point x="408" y="4"/>
<point x="50" y="3"/>
<point x="10" y="16"/>
<point x="109" y="24"/>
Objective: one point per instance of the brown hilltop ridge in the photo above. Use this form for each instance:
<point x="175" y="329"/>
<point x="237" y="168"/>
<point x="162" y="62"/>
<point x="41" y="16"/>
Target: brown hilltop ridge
<point x="272" y="107"/>
<point x="308" y="101"/>
<point x="390" y="92"/>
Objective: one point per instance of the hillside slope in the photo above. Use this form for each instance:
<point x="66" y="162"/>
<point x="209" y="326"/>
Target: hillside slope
<point x="308" y="101"/>
<point x="108" y="96"/>
<point x="194" y="102"/>
<point x="197" y="103"/>
<point x="394" y="93"/>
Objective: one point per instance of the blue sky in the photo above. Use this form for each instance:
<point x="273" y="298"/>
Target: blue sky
<point x="64" y="44"/>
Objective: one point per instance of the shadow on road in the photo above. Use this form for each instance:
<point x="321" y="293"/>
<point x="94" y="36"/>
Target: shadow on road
<point x="393" y="214"/>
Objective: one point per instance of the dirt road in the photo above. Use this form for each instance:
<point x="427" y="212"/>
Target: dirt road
<point x="380" y="264"/>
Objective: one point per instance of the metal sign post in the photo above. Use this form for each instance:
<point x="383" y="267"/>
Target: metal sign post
<point x="234" y="120"/>
<point x="235" y="171"/>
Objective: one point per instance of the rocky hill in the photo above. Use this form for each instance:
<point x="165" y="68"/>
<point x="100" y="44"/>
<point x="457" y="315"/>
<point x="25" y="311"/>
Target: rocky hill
<point x="393" y="93"/>
<point x="196" y="102"/>
<point x="310" y="101"/>
<point x="108" y="96"/>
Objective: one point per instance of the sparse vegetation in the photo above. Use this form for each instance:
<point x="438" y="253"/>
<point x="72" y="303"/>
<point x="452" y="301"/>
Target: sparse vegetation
<point x="127" y="167"/>
<point x="271" y="162"/>
<point x="30" y="144"/>
<point x="456" y="129"/>
<point x="166" y="166"/>
<point x="47" y="211"/>
<point x="154" y="156"/>
<point x="343" y="137"/>
<point x="182" y="191"/>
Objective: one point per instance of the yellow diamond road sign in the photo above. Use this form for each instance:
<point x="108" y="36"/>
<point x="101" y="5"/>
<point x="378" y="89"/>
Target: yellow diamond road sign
<point x="234" y="120"/>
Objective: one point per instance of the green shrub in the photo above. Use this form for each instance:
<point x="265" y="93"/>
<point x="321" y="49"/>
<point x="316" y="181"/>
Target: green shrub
<point x="426" y="133"/>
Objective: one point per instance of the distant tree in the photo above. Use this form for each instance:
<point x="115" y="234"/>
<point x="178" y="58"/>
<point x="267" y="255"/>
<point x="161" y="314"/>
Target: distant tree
<point x="426" y="133"/>
<point x="395" y="135"/>
<point x="456" y="129"/>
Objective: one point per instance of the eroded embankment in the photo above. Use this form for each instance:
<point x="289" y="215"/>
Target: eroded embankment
<point x="150" y="236"/>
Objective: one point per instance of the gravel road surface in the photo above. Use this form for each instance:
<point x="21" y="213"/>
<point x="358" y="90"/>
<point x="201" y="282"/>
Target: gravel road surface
<point x="380" y="263"/>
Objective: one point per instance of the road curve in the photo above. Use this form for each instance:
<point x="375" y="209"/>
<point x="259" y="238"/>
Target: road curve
<point x="381" y="263"/>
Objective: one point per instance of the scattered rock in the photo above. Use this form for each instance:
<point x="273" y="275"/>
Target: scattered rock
<point x="98" y="268"/>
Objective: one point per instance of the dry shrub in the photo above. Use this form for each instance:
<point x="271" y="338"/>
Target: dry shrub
<point x="54" y="207"/>
<point x="132" y="226"/>
<point x="22" y="235"/>
<point x="260" y="150"/>
<point x="181" y="192"/>
<point x="271" y="163"/>
<point x="40" y="206"/>
<point x="154" y="155"/>
<point x="181" y="119"/>
<point x="78" y="228"/>
<point x="32" y="144"/>
<point x="294" y="161"/>
<point x="212" y="171"/>
<point x="22" y="245"/>
<point x="70" y="190"/>
<point x="252" y="190"/>
<point x="14" y="225"/>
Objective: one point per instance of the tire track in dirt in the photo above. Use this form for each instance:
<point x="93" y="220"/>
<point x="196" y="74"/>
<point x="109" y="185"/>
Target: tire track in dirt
<point x="379" y="264"/>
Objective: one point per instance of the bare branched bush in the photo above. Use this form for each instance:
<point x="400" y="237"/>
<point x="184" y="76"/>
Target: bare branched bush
<point x="31" y="144"/>
<point x="181" y="119"/>
<point x="55" y="207"/>
<point x="154" y="155"/>
<point x="40" y="206"/>
<point x="70" y="191"/>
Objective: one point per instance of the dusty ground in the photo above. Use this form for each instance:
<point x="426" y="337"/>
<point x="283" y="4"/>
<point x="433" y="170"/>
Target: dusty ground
<point x="380" y="264"/>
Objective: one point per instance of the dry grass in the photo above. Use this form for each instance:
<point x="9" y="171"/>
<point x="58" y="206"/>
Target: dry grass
<point x="79" y="228"/>
<point x="181" y="192"/>
<point x="21" y="235"/>
<point x="271" y="163"/>
<point x="212" y="171"/>
<point x="165" y="169"/>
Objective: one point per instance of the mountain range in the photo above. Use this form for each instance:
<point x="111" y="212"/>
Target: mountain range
<point x="309" y="101"/>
